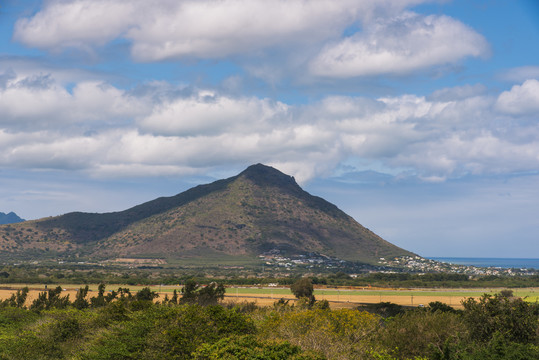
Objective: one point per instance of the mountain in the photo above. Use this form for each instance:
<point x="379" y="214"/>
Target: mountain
<point x="259" y="210"/>
<point x="9" y="218"/>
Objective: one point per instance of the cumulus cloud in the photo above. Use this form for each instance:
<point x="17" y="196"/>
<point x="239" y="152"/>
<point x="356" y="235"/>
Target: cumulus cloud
<point x="96" y="128"/>
<point x="38" y="101"/>
<point x="206" y="113"/>
<point x="270" y="39"/>
<point x="521" y="99"/>
<point x="169" y="29"/>
<point x="79" y="24"/>
<point x="400" y="45"/>
<point x="174" y="29"/>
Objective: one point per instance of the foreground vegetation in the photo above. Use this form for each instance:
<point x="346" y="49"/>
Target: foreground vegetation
<point x="195" y="324"/>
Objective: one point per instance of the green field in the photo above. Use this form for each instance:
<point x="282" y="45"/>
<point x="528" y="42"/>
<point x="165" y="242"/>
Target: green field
<point x="530" y="294"/>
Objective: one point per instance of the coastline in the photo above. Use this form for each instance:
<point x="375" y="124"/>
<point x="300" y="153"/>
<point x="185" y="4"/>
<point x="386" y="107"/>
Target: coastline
<point x="519" y="263"/>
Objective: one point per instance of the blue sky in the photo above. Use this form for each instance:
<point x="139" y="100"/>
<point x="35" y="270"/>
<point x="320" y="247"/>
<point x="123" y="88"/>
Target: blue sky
<point x="418" y="118"/>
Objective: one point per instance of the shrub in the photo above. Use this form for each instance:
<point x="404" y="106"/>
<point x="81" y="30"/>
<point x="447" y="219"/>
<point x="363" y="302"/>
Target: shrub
<point x="338" y="334"/>
<point x="422" y="333"/>
<point x="516" y="319"/>
<point x="440" y="306"/>
<point x="248" y="347"/>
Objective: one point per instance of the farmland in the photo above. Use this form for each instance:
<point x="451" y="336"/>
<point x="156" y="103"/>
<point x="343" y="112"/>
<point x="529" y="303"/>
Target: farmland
<point x="338" y="297"/>
<point x="148" y="323"/>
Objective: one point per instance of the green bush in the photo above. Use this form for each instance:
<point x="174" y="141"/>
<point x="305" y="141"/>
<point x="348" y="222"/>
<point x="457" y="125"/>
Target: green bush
<point x="338" y="334"/>
<point x="422" y="333"/>
<point x="500" y="348"/>
<point x="516" y="319"/>
<point x="248" y="347"/>
<point x="168" y="332"/>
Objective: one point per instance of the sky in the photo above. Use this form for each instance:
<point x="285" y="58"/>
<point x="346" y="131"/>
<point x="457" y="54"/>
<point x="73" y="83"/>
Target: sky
<point x="418" y="118"/>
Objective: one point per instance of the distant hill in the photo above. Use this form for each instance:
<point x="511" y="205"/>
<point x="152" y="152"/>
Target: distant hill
<point x="9" y="218"/>
<point x="256" y="211"/>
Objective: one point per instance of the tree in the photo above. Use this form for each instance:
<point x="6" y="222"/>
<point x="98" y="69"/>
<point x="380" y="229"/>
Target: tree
<point x="189" y="292"/>
<point x="50" y="300"/>
<point x="80" y="300"/>
<point x="17" y="300"/>
<point x="302" y="288"/>
<point x="209" y="295"/>
<point x="99" y="300"/>
<point x="508" y="293"/>
<point x="146" y="294"/>
<point x="124" y="293"/>
<point x="174" y="299"/>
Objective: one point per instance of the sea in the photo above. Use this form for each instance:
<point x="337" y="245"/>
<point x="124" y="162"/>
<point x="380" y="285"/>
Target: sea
<point x="517" y="263"/>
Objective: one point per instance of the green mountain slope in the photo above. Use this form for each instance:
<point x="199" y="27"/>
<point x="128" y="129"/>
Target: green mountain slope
<point x="259" y="210"/>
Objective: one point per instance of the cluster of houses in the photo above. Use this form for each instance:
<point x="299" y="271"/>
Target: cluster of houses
<point x="423" y="265"/>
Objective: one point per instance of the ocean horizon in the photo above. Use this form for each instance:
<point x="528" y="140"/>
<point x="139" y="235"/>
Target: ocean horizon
<point x="518" y="263"/>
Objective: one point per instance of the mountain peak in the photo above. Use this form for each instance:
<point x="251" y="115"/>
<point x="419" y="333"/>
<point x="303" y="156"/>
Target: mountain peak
<point x="9" y="218"/>
<point x="269" y="176"/>
<point x="259" y="210"/>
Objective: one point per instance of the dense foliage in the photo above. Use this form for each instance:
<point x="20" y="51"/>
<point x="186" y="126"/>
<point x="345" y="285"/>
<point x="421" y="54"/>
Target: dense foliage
<point x="122" y="325"/>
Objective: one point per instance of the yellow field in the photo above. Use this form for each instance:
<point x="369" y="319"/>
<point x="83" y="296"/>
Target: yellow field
<point x="348" y="301"/>
<point x="338" y="298"/>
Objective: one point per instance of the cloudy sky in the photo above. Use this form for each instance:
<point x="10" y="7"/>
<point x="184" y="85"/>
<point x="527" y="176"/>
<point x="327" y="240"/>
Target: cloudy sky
<point x="418" y="118"/>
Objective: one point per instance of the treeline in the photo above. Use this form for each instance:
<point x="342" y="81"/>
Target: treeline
<point x="88" y="274"/>
<point x="429" y="280"/>
<point x="188" y="326"/>
<point x="191" y="293"/>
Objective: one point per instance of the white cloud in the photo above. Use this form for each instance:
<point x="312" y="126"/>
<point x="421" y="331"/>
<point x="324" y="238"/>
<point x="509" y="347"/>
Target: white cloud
<point x="174" y="29"/>
<point x="221" y="28"/>
<point x="79" y="24"/>
<point x="38" y="101"/>
<point x="96" y="128"/>
<point x="521" y="74"/>
<point x="400" y="45"/>
<point x="210" y="114"/>
<point x="521" y="99"/>
<point x="170" y="29"/>
<point x="271" y="39"/>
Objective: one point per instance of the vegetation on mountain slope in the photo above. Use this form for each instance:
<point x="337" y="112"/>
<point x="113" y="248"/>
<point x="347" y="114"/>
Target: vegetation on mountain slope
<point x="257" y="211"/>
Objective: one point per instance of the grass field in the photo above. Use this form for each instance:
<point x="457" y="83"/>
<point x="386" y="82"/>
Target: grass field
<point x="353" y="297"/>
<point x="338" y="297"/>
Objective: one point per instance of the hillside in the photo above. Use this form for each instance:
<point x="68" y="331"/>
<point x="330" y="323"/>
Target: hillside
<point x="257" y="211"/>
